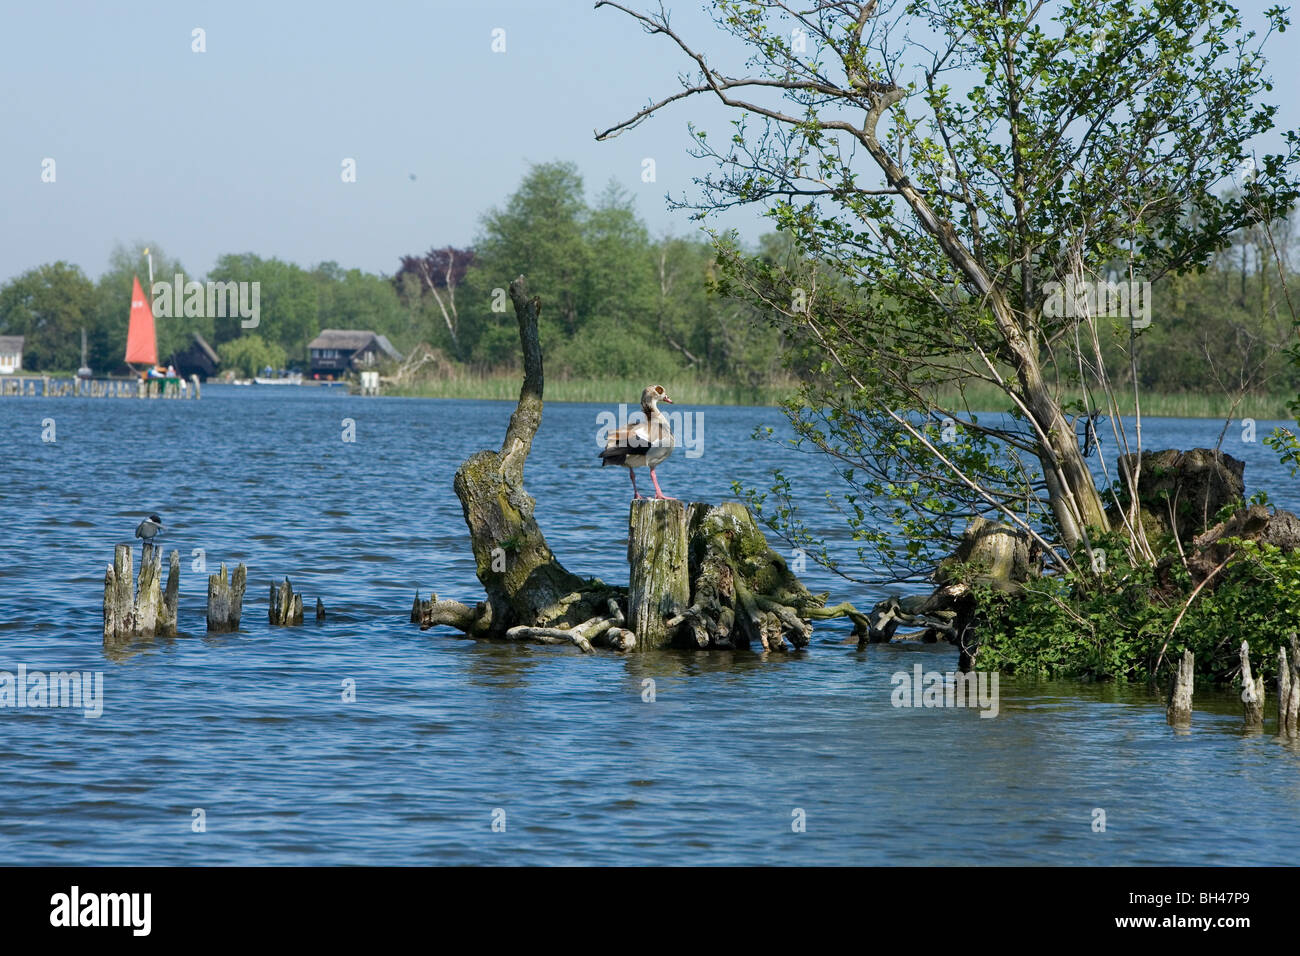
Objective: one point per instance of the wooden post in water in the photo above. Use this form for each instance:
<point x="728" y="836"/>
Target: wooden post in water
<point x="148" y="594"/>
<point x="167" y="623"/>
<point x="1252" y="691"/>
<point x="1283" y="688"/>
<point x="119" y="607"/>
<point x="285" y="606"/>
<point x="1180" y="695"/>
<point x="226" y="599"/>
<point x="1288" y="688"/>
<point x="659" y="583"/>
<point x="138" y="607"/>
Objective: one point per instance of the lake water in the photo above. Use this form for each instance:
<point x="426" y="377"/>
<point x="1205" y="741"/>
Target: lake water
<point x="446" y="734"/>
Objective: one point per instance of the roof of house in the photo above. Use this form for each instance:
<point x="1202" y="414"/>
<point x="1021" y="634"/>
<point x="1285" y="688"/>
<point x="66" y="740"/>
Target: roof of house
<point x="206" y="349"/>
<point x="11" y="343"/>
<point x="353" y="340"/>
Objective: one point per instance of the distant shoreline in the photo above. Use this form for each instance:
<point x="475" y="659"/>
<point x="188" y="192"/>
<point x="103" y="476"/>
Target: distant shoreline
<point x="505" y="387"/>
<point x="983" y="400"/>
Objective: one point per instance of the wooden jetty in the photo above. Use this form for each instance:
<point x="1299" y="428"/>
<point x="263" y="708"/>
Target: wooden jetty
<point x="45" y="386"/>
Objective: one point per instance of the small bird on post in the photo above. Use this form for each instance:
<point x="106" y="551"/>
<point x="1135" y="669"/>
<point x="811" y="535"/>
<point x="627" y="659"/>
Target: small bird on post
<point x="643" y="445"/>
<point x="149" y="529"/>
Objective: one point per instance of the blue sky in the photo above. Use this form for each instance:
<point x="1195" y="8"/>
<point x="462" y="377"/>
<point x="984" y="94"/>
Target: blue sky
<point x="240" y="148"/>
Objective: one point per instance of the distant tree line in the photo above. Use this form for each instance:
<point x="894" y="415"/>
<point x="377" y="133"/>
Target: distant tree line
<point x="617" y="303"/>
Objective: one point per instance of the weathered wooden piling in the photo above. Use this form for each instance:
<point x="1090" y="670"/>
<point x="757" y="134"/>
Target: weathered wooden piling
<point x="119" y="602"/>
<point x="286" y="606"/>
<point x="226" y="599"/>
<point x="146" y="609"/>
<point x="1252" y="691"/>
<point x="659" y="585"/>
<point x="1180" y="695"/>
<point x="1283" y="688"/>
<point x="1288" y="687"/>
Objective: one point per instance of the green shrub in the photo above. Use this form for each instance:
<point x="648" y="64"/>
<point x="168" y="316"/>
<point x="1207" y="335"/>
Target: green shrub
<point x="1059" y="629"/>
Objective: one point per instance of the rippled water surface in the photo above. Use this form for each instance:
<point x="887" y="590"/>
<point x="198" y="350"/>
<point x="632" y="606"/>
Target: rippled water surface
<point x="252" y="728"/>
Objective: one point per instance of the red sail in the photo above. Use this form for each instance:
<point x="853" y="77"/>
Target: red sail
<point x="141" y="343"/>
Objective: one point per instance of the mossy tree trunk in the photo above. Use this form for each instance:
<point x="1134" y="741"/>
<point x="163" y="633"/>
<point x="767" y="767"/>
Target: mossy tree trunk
<point x="740" y="592"/>
<point x="524" y="582"/>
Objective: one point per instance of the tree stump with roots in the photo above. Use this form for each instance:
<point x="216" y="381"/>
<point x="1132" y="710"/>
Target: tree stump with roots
<point x="701" y="575"/>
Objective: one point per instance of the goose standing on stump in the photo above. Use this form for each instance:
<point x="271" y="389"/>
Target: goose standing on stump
<point x="646" y="444"/>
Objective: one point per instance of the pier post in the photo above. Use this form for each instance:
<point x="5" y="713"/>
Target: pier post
<point x="226" y="599"/>
<point x="1288" y="688"/>
<point x="1252" y="691"/>
<point x="119" y="606"/>
<point x="1180" y="696"/>
<point x="285" y="606"/>
<point x="167" y="621"/>
<point x="138" y="606"/>
<point x="659" y="584"/>
<point x="148" y="596"/>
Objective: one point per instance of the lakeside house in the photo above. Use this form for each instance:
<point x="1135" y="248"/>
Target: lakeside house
<point x="337" y="351"/>
<point x="11" y="354"/>
<point x="198" y="358"/>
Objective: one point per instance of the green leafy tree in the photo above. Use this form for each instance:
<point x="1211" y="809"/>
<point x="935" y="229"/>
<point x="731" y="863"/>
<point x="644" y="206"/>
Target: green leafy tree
<point x="939" y="166"/>
<point x="249" y="354"/>
<point x="354" y="299"/>
<point x="49" y="305"/>
<point x="538" y="232"/>
<point x="288" y="302"/>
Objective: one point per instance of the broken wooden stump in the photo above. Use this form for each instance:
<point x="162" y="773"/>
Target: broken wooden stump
<point x="658" y="583"/>
<point x="285" y="608"/>
<point x="701" y="575"/>
<point x="226" y="599"/>
<point x="1252" y="691"/>
<point x="139" y="606"/>
<point x="742" y="593"/>
<point x="1288" y="687"/>
<point x="1179" y="710"/>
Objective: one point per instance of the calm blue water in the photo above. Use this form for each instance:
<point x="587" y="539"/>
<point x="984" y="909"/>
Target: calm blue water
<point x="251" y="727"/>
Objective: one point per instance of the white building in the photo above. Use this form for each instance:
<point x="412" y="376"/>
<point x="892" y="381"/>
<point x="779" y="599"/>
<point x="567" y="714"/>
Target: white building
<point x="11" y="354"/>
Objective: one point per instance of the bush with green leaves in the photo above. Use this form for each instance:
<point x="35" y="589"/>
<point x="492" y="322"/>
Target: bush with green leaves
<point x="1139" y="621"/>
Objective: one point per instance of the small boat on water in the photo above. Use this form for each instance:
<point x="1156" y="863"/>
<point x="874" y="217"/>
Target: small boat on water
<point x="289" y="378"/>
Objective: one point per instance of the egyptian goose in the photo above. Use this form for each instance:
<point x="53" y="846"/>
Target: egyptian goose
<point x="644" y="444"/>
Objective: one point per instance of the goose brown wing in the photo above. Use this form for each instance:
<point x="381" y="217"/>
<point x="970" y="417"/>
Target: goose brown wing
<point x="631" y="440"/>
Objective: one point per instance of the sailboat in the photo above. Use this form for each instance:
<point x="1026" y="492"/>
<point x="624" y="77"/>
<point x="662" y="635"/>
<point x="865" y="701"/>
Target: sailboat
<point x="142" y="342"/>
<point x="141" y="339"/>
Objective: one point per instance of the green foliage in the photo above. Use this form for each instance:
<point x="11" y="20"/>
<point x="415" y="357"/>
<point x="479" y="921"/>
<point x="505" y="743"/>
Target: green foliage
<point x="1284" y="441"/>
<point x="615" y="302"/>
<point x="49" y="305"/>
<point x="927" y="233"/>
<point x="1067" y="627"/>
<point x="249" y="354"/>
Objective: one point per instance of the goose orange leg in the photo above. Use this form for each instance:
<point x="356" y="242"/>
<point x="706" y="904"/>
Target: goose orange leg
<point x="635" y="494"/>
<point x="659" y="494"/>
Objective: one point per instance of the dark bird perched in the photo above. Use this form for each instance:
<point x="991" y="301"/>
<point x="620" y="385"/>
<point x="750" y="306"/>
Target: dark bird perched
<point x="643" y="445"/>
<point x="149" y="528"/>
